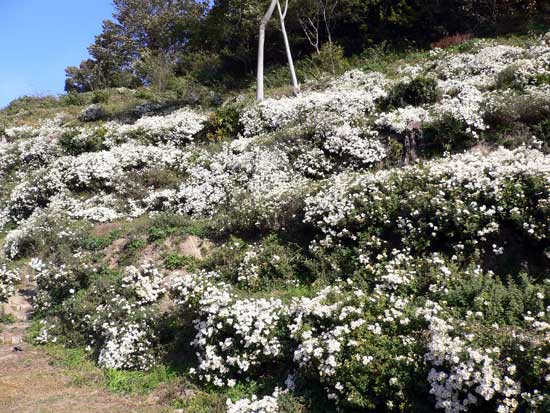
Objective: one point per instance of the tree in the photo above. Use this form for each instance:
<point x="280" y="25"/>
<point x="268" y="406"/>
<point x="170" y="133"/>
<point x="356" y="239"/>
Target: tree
<point x="148" y="32"/>
<point x="316" y="16"/>
<point x="261" y="46"/>
<point x="159" y="25"/>
<point x="282" y="16"/>
<point x="80" y="79"/>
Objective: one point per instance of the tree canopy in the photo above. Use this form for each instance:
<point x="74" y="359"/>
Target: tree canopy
<point x="148" y="40"/>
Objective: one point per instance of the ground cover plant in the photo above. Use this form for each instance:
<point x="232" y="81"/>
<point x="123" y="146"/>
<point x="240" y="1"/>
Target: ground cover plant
<point x="379" y="243"/>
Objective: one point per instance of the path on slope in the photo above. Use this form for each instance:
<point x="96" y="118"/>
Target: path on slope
<point x="31" y="383"/>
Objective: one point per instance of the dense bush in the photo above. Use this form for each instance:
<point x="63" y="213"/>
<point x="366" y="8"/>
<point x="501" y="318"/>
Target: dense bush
<point x="445" y="135"/>
<point x="223" y="124"/>
<point x="419" y="91"/>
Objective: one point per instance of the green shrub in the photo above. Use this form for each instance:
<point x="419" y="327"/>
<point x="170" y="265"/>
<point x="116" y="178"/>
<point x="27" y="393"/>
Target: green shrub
<point x="542" y="79"/>
<point x="166" y="224"/>
<point x="136" y="244"/>
<point x="74" y="144"/>
<point x="178" y="85"/>
<point x="506" y="78"/>
<point x="446" y="134"/>
<point x="100" y="96"/>
<point x="7" y="318"/>
<point x="73" y="99"/>
<point x="223" y="124"/>
<point x="260" y="265"/>
<point x="330" y="59"/>
<point x="419" y="91"/>
<point x="175" y="261"/>
<point x="542" y="131"/>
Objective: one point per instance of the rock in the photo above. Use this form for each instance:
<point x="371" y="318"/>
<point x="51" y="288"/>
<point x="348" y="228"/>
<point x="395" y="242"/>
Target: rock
<point x="192" y="246"/>
<point x="92" y="113"/>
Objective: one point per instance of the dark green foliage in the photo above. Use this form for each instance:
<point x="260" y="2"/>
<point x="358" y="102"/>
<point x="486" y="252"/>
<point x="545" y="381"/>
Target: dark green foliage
<point x="73" y="99"/>
<point x="419" y="91"/>
<point x="542" y="131"/>
<point x="505" y="79"/>
<point x="74" y="145"/>
<point x="276" y="261"/>
<point x="175" y="261"/>
<point x="446" y="134"/>
<point x="100" y="96"/>
<point x="500" y="300"/>
<point x="214" y="43"/>
<point x="223" y="124"/>
<point x="96" y="242"/>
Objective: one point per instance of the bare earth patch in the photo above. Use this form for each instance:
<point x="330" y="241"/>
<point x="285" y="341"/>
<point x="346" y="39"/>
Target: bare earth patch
<point x="31" y="382"/>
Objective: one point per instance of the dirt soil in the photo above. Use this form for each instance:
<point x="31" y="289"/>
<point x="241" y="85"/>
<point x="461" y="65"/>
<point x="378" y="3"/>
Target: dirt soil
<point x="30" y="382"/>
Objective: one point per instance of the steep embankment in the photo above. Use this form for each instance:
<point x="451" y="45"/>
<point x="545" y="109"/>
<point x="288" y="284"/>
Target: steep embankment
<point x="380" y="243"/>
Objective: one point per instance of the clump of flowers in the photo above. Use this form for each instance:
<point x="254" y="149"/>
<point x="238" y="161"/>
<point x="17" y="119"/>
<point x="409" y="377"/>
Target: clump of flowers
<point x="177" y="128"/>
<point x="462" y="374"/>
<point x="8" y="281"/>
<point x="266" y="404"/>
<point x="127" y="347"/>
<point x="235" y="337"/>
<point x="146" y="282"/>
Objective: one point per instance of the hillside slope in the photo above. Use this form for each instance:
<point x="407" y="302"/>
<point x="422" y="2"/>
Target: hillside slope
<point x="379" y="243"/>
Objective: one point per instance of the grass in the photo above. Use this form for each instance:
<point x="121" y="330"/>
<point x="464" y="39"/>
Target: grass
<point x="76" y="364"/>
<point x="7" y="318"/>
<point x="84" y="372"/>
<point x="138" y="382"/>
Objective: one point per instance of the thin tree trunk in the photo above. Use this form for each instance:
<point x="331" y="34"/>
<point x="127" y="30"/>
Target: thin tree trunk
<point x="295" y="84"/>
<point x="261" y="43"/>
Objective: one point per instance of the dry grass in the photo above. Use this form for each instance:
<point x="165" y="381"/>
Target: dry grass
<point x="31" y="381"/>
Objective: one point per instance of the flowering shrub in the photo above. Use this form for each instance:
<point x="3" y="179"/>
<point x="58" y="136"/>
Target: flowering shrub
<point x="127" y="347"/>
<point x="419" y="91"/>
<point x="234" y="337"/>
<point x="359" y="285"/>
<point x="177" y="128"/>
<point x="344" y="336"/>
<point x="256" y="266"/>
<point x="399" y="119"/>
<point x="146" y="282"/>
<point x="453" y="205"/>
<point x="352" y="95"/>
<point x="113" y="317"/>
<point x="267" y="404"/>
<point x="8" y="281"/>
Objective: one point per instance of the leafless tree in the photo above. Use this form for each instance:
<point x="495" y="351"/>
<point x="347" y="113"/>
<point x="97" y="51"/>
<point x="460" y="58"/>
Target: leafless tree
<point x="315" y="16"/>
<point x="282" y="16"/>
<point x="261" y="45"/>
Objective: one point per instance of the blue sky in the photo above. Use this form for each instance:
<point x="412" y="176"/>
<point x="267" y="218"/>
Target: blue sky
<point x="39" y="38"/>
